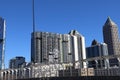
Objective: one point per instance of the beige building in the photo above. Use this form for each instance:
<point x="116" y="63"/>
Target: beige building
<point x="111" y="38"/>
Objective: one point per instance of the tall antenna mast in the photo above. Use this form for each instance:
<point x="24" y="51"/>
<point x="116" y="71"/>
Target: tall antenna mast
<point x="33" y="16"/>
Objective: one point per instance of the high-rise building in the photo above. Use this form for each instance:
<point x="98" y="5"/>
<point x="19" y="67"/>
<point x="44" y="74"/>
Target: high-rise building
<point x="16" y="62"/>
<point x="2" y="42"/>
<point x="111" y="38"/>
<point x="97" y="50"/>
<point x="78" y="47"/>
<point x="53" y="47"/>
<point x="45" y="45"/>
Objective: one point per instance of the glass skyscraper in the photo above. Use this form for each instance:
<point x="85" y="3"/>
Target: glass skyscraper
<point x="2" y="42"/>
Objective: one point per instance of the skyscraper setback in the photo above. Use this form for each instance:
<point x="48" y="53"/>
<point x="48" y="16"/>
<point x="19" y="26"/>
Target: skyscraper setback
<point x="2" y="42"/>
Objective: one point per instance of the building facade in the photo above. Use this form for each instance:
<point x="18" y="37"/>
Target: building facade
<point x="43" y="46"/>
<point x="16" y="62"/>
<point x="2" y="42"/>
<point x="49" y="47"/>
<point x="97" y="50"/>
<point x="111" y="38"/>
<point x="78" y="47"/>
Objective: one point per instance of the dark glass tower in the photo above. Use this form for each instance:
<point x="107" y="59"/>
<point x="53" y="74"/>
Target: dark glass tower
<point x="97" y="50"/>
<point x="111" y="38"/>
<point x="17" y="62"/>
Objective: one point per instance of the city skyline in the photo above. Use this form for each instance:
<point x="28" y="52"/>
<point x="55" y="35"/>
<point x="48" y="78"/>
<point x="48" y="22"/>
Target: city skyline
<point x="87" y="17"/>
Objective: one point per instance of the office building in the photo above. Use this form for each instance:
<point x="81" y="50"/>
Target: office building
<point x="17" y="62"/>
<point x="78" y="47"/>
<point x="66" y="55"/>
<point x="49" y="47"/>
<point x="111" y="38"/>
<point x="2" y="42"/>
<point x="45" y="45"/>
<point x="97" y="50"/>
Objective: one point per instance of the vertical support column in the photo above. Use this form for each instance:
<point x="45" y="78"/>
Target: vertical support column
<point x="16" y="74"/>
<point x="1" y="75"/>
<point x="96" y="64"/>
<point x="29" y="73"/>
<point x="118" y="61"/>
<point x="8" y="75"/>
<point x="5" y="75"/>
<point x="107" y="63"/>
<point x="86" y="64"/>
<point x="101" y="63"/>
<point x="12" y="74"/>
<point x="24" y="73"/>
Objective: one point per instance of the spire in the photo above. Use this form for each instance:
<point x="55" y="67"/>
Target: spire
<point x="109" y="22"/>
<point x="94" y="42"/>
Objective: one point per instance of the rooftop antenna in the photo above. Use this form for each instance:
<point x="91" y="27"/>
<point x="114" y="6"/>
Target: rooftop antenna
<point x="33" y="16"/>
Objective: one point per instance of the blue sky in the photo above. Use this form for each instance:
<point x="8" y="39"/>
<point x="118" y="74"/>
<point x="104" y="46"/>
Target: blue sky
<point x="58" y="16"/>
